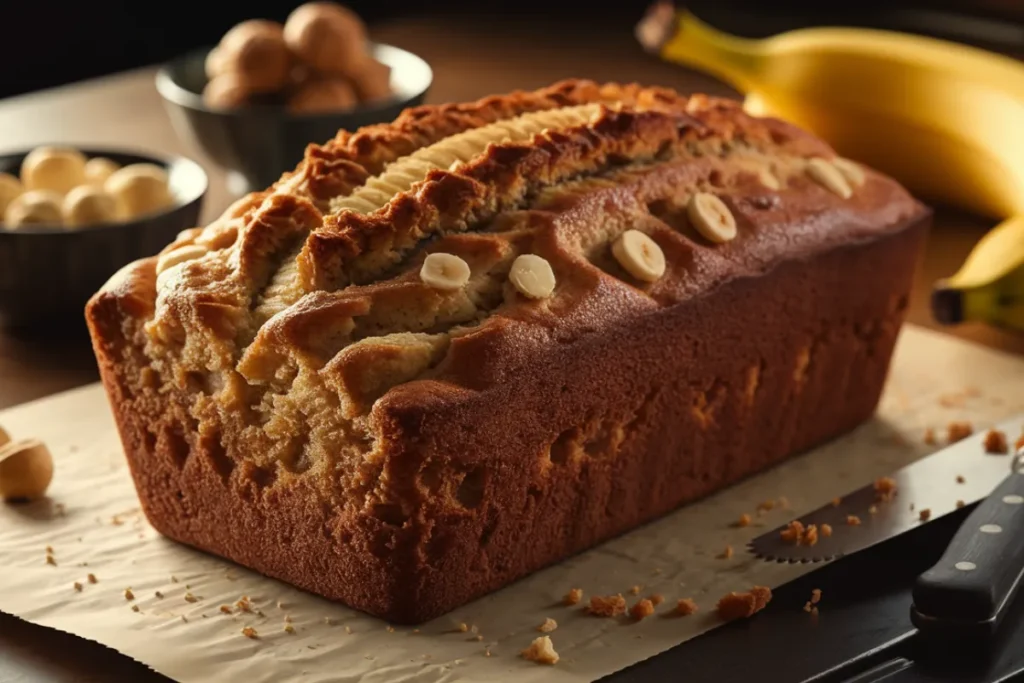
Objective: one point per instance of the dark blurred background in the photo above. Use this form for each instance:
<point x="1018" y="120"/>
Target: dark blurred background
<point x="52" y="43"/>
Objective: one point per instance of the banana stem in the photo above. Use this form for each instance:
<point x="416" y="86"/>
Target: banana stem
<point x="731" y="58"/>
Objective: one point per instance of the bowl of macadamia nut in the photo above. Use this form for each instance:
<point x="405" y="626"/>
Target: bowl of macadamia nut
<point x="253" y="102"/>
<point x="71" y="217"/>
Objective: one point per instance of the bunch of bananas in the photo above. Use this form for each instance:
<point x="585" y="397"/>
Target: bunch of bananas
<point x="946" y="119"/>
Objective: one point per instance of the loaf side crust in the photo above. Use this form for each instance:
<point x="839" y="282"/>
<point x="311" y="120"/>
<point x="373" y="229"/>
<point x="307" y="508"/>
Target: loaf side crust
<point x="301" y="403"/>
<point x="548" y="476"/>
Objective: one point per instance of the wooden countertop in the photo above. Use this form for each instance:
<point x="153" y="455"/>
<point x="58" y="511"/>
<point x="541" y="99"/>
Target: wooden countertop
<point x="470" y="59"/>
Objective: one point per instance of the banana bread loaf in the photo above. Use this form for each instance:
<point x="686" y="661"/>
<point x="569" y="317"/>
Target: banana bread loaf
<point x="450" y="350"/>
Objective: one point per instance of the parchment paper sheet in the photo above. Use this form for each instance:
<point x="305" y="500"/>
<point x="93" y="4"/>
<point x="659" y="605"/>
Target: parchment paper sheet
<point x="93" y="524"/>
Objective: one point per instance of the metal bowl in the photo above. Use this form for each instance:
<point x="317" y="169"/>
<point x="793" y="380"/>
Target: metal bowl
<point x="257" y="143"/>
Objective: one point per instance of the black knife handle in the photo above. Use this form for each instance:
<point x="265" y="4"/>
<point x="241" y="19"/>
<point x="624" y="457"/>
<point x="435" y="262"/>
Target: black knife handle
<point x="967" y="592"/>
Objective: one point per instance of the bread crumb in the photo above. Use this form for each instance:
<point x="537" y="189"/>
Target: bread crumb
<point x="415" y="630"/>
<point x="885" y="489"/>
<point x="766" y="506"/>
<point x="78" y="587"/>
<point x="685" y="607"/>
<point x="952" y="400"/>
<point x="91" y="578"/>
<point x="642" y="609"/>
<point x="837" y="501"/>
<point x="541" y="651"/>
<point x="958" y="431"/>
<point x="328" y="621"/>
<point x="190" y="598"/>
<point x="477" y="638"/>
<point x="128" y="595"/>
<point x="226" y="609"/>
<point x="852" y="520"/>
<point x="929" y="437"/>
<point x="826" y="530"/>
<point x="348" y="629"/>
<point x="287" y="618"/>
<point x="244" y="604"/>
<point x="811" y="609"/>
<point x="815" y="596"/>
<point x="797" y="534"/>
<point x="783" y="503"/>
<point x="873" y="509"/>
<point x="960" y="479"/>
<point x="960" y="504"/>
<point x="280" y="605"/>
<point x="635" y="590"/>
<point x="724" y="555"/>
<point x="744" y="520"/>
<point x="607" y="606"/>
<point x="487" y="652"/>
<point x="50" y="560"/>
<point x="925" y="514"/>
<point x="184" y="618"/>
<point x="793" y="532"/>
<point x="548" y="626"/>
<point x="742" y="605"/>
<point x="573" y="597"/>
<point x="288" y="628"/>
<point x="390" y="629"/>
<point x="995" y="443"/>
<point x="656" y="599"/>
<point x="135" y="608"/>
<point x="174" y="579"/>
<point x="462" y="628"/>
<point x="250" y="632"/>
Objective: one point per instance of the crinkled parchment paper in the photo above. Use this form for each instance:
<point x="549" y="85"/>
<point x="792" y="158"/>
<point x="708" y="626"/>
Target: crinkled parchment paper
<point x="93" y="524"/>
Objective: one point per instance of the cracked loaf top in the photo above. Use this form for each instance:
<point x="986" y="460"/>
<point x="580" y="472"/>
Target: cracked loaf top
<point x="391" y="255"/>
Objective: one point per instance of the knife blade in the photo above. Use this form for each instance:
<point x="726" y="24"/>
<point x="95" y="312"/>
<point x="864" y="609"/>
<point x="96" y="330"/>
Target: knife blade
<point x="958" y="475"/>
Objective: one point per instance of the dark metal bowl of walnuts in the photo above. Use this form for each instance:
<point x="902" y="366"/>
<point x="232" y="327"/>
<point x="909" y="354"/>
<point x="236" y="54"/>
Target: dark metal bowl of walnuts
<point x="253" y="102"/>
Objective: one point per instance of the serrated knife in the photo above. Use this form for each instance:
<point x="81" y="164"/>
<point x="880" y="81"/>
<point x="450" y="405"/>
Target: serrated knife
<point x="966" y="593"/>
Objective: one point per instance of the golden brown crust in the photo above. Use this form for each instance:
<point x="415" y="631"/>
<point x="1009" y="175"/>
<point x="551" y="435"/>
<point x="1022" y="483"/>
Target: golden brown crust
<point x="301" y="378"/>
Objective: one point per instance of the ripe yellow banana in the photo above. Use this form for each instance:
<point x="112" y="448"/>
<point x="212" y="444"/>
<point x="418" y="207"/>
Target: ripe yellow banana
<point x="946" y="119"/>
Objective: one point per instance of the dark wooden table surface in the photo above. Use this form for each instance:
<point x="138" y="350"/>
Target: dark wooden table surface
<point x="470" y="60"/>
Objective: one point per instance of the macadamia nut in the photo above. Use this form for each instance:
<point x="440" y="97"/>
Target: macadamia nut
<point x="35" y="207"/>
<point x="139" y="189"/>
<point x="88" y="205"/>
<point x="98" y="169"/>
<point x="26" y="470"/>
<point x="10" y="189"/>
<point x="53" y="168"/>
